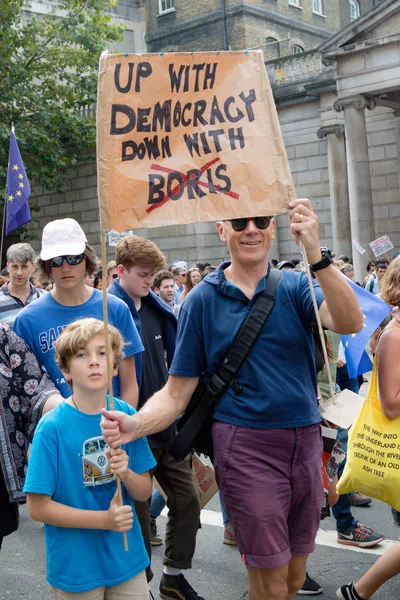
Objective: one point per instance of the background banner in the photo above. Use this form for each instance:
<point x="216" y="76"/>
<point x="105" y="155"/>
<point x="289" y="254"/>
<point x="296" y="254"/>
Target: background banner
<point x="186" y="137"/>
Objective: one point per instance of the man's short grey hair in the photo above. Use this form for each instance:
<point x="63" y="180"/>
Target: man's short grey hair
<point x="22" y="251"/>
<point x="179" y="270"/>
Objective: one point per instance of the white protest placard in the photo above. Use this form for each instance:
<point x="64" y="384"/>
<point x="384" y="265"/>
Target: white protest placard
<point x="342" y="409"/>
<point x="381" y="245"/>
<point x="358" y="246"/>
<point x="115" y="236"/>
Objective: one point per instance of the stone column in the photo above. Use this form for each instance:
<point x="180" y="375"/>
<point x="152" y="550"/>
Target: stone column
<point x="338" y="187"/>
<point x="360" y="193"/>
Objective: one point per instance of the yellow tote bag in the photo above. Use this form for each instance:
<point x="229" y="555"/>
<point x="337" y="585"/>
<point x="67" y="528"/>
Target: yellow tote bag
<point x="373" y="454"/>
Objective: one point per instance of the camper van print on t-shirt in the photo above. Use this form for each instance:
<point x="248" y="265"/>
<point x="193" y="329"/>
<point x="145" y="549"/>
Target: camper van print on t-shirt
<point x="96" y="470"/>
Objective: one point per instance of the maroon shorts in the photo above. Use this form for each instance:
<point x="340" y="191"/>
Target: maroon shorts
<point x="271" y="485"/>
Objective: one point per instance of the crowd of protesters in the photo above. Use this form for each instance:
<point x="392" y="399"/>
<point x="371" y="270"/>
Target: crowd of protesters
<point x="53" y="364"/>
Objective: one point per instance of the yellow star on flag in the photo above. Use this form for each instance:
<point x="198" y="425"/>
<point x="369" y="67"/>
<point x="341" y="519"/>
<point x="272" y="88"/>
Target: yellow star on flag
<point x="21" y="185"/>
<point x="347" y="344"/>
<point x="364" y="324"/>
<point x="19" y="193"/>
<point x="20" y="176"/>
<point x="353" y="335"/>
<point x="15" y="167"/>
<point x="10" y="197"/>
<point x="365" y="316"/>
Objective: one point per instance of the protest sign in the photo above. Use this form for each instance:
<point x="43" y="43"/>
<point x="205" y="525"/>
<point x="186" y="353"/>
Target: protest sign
<point x="114" y="236"/>
<point x="342" y="408"/>
<point x="186" y="137"/>
<point x="381" y="245"/>
<point x="358" y="246"/>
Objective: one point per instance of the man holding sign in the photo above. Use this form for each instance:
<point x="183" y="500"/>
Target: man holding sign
<point x="266" y="432"/>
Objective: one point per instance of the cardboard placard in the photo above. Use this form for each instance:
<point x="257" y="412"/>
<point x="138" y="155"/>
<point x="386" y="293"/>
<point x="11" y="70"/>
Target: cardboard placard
<point x="205" y="478"/>
<point x="342" y="409"/>
<point x="381" y="245"/>
<point x="187" y="137"/>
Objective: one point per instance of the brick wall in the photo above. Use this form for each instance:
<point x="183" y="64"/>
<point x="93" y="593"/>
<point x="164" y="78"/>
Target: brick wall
<point x="194" y="27"/>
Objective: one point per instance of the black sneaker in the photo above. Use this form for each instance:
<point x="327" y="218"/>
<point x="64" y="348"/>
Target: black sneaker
<point x="175" y="587"/>
<point x="310" y="587"/>
<point x="347" y="592"/>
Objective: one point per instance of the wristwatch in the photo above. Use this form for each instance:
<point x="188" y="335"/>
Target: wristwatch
<point x="324" y="262"/>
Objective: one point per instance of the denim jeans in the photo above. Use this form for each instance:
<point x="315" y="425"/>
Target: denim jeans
<point x="225" y="518"/>
<point x="157" y="504"/>
<point x="346" y="383"/>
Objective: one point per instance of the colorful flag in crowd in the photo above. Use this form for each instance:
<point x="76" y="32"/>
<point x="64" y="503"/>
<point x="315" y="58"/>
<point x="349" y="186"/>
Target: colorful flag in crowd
<point x="17" y="189"/>
<point x="374" y="312"/>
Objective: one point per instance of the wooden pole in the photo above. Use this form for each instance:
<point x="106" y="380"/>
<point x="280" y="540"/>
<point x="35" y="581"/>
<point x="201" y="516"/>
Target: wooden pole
<point x="108" y="354"/>
<point x="320" y="330"/>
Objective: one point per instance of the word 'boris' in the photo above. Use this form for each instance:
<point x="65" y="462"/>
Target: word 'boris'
<point x="173" y="185"/>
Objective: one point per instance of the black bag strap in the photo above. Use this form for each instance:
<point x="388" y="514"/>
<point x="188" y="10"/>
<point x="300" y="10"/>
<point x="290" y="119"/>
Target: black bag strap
<point x="231" y="365"/>
<point x="247" y="335"/>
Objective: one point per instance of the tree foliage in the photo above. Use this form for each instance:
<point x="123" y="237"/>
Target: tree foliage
<point x="48" y="72"/>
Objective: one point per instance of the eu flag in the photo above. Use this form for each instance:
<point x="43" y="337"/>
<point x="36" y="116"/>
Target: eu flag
<point x="17" y="189"/>
<point x="374" y="312"/>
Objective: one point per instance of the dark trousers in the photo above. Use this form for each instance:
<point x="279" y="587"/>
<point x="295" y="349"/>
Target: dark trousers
<point x="183" y="501"/>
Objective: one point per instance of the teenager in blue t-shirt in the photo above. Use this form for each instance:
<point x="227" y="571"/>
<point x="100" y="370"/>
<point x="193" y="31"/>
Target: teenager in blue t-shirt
<point x="67" y="258"/>
<point x="71" y="485"/>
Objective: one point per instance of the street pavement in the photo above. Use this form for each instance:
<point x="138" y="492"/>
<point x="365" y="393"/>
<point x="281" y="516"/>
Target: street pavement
<point x="217" y="573"/>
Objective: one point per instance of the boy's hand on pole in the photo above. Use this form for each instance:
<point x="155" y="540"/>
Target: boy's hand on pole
<point x="118" y="461"/>
<point x="119" y="518"/>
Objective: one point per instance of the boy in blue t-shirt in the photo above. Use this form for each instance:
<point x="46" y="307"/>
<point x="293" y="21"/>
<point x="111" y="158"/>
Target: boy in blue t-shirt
<point x="70" y="484"/>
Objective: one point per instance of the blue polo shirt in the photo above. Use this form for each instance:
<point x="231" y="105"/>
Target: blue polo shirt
<point x="278" y="379"/>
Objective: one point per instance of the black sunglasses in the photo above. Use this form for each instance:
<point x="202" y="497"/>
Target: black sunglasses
<point x="71" y="259"/>
<point x="259" y="222"/>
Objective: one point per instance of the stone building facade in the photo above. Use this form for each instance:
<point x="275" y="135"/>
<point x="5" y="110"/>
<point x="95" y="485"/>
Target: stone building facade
<point x="339" y="110"/>
<point x="279" y="27"/>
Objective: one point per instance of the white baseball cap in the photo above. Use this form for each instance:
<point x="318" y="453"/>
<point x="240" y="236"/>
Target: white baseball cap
<point x="61" y="238"/>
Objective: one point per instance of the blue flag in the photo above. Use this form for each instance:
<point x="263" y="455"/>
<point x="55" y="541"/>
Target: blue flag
<point x="374" y="312"/>
<point x="17" y="190"/>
